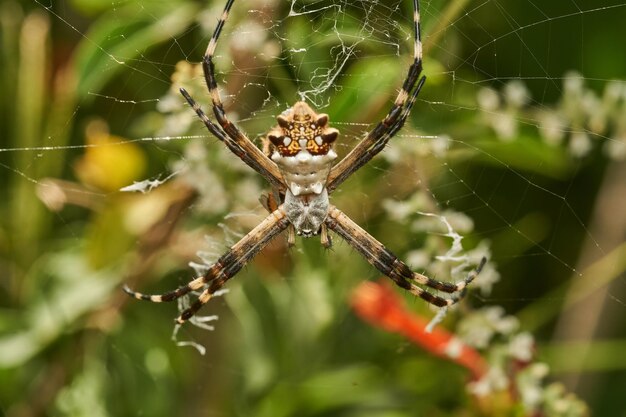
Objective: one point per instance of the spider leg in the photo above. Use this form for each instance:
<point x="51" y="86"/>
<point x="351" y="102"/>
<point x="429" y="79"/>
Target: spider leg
<point x="355" y="160"/>
<point x="227" y="266"/>
<point x="264" y="165"/>
<point x="325" y="238"/>
<point x="232" y="145"/>
<point x="387" y="263"/>
<point x="375" y="141"/>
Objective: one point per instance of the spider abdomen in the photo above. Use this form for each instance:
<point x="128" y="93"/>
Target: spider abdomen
<point x="306" y="212"/>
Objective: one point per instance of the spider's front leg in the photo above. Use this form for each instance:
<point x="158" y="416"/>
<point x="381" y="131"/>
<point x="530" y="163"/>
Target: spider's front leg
<point x="225" y="267"/>
<point x="255" y="160"/>
<point x="376" y="140"/>
<point x="236" y="141"/>
<point x="389" y="264"/>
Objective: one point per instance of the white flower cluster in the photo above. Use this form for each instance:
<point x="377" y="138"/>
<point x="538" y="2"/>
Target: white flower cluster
<point x="445" y="229"/>
<point x="510" y="355"/>
<point x="502" y="112"/>
<point x="579" y="118"/>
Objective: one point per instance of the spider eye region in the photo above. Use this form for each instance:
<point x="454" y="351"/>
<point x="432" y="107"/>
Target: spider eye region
<point x="300" y="128"/>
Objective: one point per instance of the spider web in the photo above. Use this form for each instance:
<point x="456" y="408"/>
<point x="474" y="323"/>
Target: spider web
<point x="517" y="141"/>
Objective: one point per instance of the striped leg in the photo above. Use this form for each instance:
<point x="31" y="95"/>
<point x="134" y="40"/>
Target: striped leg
<point x="273" y="176"/>
<point x="226" y="266"/>
<point x="357" y="158"/>
<point x="376" y="140"/>
<point x="234" y="139"/>
<point x="387" y="263"/>
<point x="218" y="108"/>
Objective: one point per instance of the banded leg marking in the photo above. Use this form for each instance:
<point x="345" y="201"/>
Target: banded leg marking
<point x="375" y="141"/>
<point x="244" y="149"/>
<point x="225" y="267"/>
<point x="386" y="262"/>
<point x="232" y="145"/>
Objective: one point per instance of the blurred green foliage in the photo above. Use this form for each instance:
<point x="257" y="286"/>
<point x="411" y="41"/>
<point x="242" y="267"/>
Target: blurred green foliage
<point x="89" y="106"/>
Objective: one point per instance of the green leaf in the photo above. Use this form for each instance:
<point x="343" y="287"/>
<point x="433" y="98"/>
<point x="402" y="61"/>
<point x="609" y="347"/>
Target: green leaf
<point x="529" y="154"/>
<point x="80" y="291"/>
<point x="110" y="47"/>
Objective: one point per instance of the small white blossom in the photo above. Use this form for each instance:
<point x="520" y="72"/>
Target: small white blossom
<point x="580" y="144"/>
<point x="616" y="148"/>
<point x="521" y="346"/>
<point x="488" y="99"/>
<point x="516" y="94"/>
<point x="573" y="82"/>
<point x="530" y="385"/>
<point x="440" y="145"/>
<point x="505" y="126"/>
<point x="418" y="258"/>
<point x="551" y="127"/>
<point x="454" y="348"/>
<point x="494" y="380"/>
<point x="478" y="328"/>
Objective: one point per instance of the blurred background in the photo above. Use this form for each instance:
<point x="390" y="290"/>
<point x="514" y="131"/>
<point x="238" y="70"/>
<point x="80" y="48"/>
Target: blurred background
<point x="517" y="144"/>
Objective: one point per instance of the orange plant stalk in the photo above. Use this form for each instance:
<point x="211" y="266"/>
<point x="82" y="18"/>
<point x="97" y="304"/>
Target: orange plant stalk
<point x="380" y="306"/>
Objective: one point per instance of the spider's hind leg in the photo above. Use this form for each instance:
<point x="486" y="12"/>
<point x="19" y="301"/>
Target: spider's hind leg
<point x="196" y="284"/>
<point x="226" y="267"/>
<point x="387" y="263"/>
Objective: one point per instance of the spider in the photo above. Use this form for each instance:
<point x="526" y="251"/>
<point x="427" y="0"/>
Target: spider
<point x="298" y="162"/>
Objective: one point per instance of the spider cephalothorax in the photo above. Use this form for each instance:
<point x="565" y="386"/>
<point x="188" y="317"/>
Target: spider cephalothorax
<point x="299" y="167"/>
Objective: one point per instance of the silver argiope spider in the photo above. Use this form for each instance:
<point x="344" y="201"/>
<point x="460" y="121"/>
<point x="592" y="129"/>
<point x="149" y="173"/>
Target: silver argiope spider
<point x="298" y="163"/>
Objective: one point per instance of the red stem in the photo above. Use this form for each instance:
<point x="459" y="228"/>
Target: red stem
<point x="380" y="306"/>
